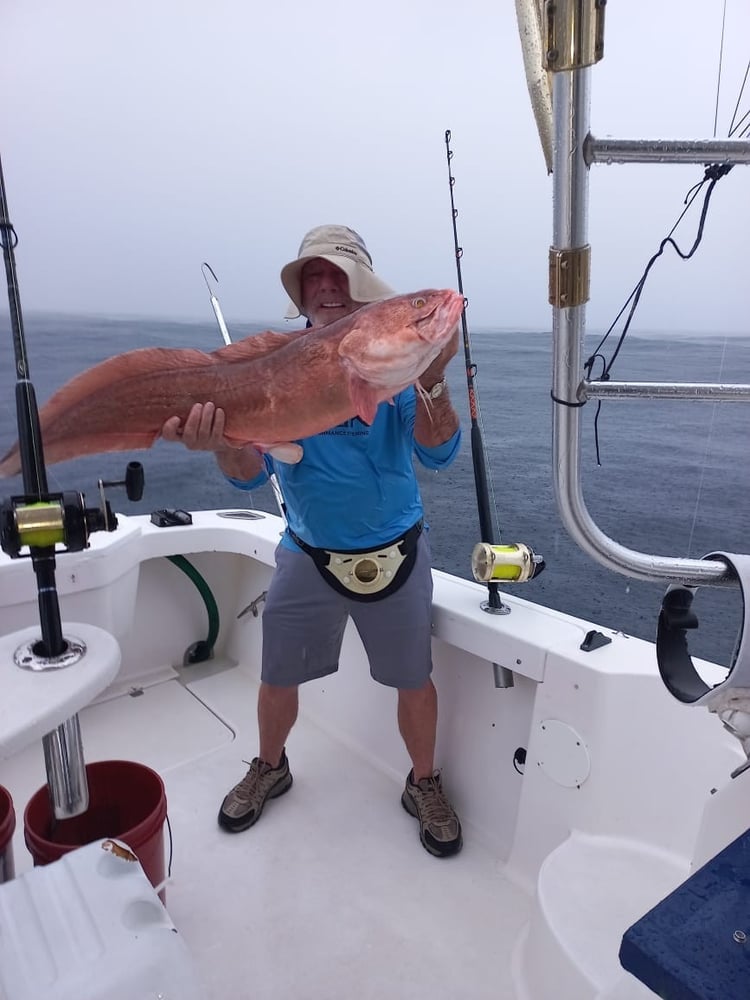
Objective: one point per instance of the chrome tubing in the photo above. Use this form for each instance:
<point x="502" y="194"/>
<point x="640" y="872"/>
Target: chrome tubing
<point x="700" y="151"/>
<point x="571" y="101"/>
<point x="715" y="392"/>
<point x="66" y="770"/>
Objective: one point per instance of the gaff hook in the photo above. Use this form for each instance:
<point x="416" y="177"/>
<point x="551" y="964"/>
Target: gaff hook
<point x="213" y="275"/>
<point x="228" y="340"/>
<point x="215" y="303"/>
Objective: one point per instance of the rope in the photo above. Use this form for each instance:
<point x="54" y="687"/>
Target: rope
<point x="713" y="173"/>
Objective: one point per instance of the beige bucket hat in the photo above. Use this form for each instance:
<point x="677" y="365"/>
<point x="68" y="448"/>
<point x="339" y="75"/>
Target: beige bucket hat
<point x="344" y="248"/>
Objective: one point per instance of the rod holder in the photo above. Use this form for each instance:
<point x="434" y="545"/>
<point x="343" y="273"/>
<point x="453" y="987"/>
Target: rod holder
<point x="66" y="769"/>
<point x="502" y="676"/>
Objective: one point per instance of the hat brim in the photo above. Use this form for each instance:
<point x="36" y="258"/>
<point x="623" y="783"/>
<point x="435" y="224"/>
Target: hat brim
<point x="364" y="285"/>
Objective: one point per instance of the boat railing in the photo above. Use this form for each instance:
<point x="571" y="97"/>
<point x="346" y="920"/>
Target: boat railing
<point x="573" y="33"/>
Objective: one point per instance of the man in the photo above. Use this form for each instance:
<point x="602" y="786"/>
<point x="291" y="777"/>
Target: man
<point x="354" y="492"/>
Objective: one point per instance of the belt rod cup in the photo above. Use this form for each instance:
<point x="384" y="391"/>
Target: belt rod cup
<point x="366" y="572"/>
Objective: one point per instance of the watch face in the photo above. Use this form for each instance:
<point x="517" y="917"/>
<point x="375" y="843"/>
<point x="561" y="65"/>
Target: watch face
<point x="437" y="389"/>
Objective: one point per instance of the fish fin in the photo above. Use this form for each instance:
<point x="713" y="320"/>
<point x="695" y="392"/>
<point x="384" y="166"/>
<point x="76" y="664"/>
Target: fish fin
<point x="10" y="463"/>
<point x="255" y="346"/>
<point x="75" y="447"/>
<point x="282" y="451"/>
<point x="364" y="397"/>
<point x="132" y="365"/>
<point x="147" y="360"/>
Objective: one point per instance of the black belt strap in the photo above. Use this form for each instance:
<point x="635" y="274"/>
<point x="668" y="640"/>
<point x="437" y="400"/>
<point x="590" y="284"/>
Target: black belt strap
<point x="322" y="556"/>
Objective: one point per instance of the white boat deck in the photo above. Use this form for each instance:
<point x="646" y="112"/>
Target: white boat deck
<point x="331" y="894"/>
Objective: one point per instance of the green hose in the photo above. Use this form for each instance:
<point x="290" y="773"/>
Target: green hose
<point x="203" y="649"/>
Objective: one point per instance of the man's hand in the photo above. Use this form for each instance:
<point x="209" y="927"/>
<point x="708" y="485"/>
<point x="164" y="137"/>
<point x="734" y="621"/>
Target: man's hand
<point x="436" y="421"/>
<point x="203" y="430"/>
<point x="436" y="370"/>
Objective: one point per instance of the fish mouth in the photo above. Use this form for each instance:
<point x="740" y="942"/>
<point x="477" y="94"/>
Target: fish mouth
<point x="443" y="312"/>
<point x="424" y="334"/>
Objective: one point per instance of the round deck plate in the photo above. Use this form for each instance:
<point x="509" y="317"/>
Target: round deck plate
<point x="563" y="756"/>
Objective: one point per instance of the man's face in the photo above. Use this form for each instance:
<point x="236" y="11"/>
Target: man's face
<point x="325" y="292"/>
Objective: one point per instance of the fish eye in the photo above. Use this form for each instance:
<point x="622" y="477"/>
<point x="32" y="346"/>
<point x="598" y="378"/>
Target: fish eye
<point x="419" y="302"/>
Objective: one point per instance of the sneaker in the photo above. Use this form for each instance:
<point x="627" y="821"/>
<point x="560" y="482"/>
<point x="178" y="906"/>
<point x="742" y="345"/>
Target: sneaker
<point x="439" y="827"/>
<point x="244" y="804"/>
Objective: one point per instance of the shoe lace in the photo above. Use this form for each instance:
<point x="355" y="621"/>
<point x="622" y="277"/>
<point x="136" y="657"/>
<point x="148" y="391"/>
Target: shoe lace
<point x="256" y="769"/>
<point x="435" y="806"/>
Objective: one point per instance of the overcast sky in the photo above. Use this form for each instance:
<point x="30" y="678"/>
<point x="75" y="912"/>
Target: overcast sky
<point x="139" y="139"/>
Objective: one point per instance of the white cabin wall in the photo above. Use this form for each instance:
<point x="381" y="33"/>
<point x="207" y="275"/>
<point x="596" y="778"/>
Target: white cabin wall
<point x="170" y="614"/>
<point x="96" y="586"/>
<point x="653" y="761"/>
<point x="244" y="636"/>
<point x="479" y="730"/>
<point x="640" y="740"/>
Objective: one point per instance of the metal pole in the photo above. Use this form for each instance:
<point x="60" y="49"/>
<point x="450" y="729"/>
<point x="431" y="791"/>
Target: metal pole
<point x="717" y="392"/>
<point x="570" y="232"/>
<point x="701" y="151"/>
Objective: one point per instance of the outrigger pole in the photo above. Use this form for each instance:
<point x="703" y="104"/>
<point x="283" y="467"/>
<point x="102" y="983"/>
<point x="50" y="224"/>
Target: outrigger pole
<point x="491" y="561"/>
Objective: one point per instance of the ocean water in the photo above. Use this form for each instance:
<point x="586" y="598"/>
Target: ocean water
<point x="673" y="478"/>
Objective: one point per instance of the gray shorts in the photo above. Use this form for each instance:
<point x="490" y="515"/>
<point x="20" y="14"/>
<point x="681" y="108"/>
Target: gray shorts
<point x="304" y="620"/>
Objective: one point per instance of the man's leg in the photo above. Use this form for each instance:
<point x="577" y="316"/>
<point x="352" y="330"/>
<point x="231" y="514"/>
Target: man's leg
<point x="269" y="775"/>
<point x="417" y="723"/>
<point x="303" y="625"/>
<point x="396" y="633"/>
<point x="277" y="713"/>
<point x="423" y="797"/>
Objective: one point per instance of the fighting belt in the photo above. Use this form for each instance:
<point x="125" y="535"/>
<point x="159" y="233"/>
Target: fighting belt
<point x="366" y="574"/>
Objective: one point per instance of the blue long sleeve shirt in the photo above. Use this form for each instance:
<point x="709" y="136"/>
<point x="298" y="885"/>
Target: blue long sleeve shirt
<point x="355" y="487"/>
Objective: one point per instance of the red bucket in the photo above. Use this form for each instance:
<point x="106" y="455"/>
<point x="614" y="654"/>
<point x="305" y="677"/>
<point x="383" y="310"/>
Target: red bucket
<point x="127" y="801"/>
<point x="7" y="826"/>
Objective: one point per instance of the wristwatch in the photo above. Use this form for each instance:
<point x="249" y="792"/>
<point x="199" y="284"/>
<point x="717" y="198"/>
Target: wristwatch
<point x="438" y="388"/>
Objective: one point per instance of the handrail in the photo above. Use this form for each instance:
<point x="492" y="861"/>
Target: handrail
<point x="717" y="392"/>
<point x="568" y="295"/>
<point x="701" y="151"/>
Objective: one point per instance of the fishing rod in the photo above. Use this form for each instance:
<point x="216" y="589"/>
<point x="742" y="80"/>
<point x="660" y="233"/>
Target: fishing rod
<point x="228" y="340"/>
<point x="30" y="447"/>
<point x="40" y="520"/>
<point x="491" y="560"/>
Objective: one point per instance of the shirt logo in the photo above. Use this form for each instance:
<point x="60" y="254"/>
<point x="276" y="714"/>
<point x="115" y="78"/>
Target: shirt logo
<point x="355" y="426"/>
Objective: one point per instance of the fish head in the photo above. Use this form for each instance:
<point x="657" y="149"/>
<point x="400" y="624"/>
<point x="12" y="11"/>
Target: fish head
<point x="393" y="341"/>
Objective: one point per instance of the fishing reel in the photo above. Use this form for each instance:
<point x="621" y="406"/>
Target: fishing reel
<point x="28" y="522"/>
<point x="514" y="563"/>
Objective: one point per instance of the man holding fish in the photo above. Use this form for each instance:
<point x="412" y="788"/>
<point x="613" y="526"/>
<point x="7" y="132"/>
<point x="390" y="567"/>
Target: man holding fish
<point x="354" y="544"/>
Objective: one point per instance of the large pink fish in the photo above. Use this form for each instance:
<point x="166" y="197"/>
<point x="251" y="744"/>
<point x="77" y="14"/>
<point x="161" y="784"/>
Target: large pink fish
<point x="273" y="387"/>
